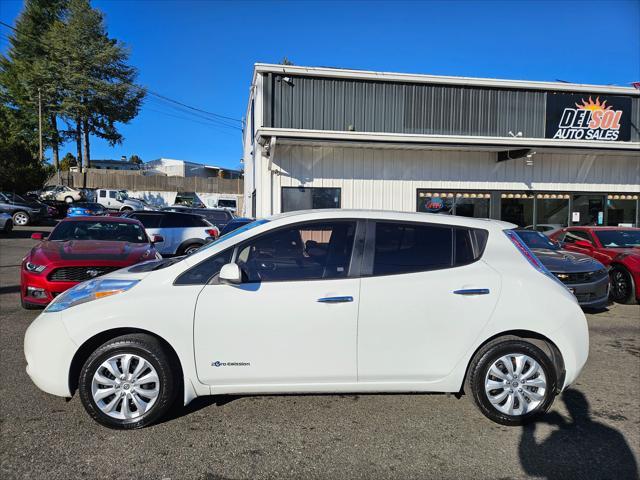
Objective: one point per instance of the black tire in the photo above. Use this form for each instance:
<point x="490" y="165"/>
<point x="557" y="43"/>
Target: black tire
<point x="622" y="288"/>
<point x="189" y="249"/>
<point x="19" y="218"/>
<point x="8" y="226"/>
<point x="482" y="362"/>
<point x="126" y="209"/>
<point x="153" y="352"/>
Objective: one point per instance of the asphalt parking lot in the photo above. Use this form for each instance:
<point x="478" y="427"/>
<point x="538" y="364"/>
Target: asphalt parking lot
<point x="592" y="431"/>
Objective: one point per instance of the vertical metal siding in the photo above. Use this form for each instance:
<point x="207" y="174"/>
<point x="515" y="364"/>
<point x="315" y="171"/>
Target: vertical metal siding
<point x="389" y="178"/>
<point x="370" y="106"/>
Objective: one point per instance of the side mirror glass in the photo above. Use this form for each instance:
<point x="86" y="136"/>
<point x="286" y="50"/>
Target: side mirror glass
<point x="230" y="273"/>
<point x="157" y="239"/>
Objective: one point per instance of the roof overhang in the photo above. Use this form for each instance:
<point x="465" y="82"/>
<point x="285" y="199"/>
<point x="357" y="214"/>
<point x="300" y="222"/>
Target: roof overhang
<point x="402" y="140"/>
<point x="442" y="80"/>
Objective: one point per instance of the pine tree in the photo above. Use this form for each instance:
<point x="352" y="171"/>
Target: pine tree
<point x="98" y="89"/>
<point x="27" y="68"/>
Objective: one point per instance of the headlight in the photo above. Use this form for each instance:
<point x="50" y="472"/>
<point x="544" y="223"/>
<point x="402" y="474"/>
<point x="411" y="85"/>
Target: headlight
<point x="32" y="267"/>
<point x="88" y="291"/>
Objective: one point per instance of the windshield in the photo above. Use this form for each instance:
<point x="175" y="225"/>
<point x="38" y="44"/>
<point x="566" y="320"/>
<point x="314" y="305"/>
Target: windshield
<point x="14" y="198"/>
<point x="619" y="238"/>
<point x="99" y="230"/>
<point x="535" y="239"/>
<point x="122" y="195"/>
<point x="233" y="233"/>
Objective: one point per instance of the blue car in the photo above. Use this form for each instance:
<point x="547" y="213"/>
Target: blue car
<point x="85" y="209"/>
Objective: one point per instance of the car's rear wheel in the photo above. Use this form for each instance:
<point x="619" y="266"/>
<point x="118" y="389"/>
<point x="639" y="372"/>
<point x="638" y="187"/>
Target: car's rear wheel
<point x="128" y="382"/>
<point x="512" y="381"/>
<point x="68" y="199"/>
<point x="621" y="285"/>
<point x="21" y="219"/>
<point x="189" y="249"/>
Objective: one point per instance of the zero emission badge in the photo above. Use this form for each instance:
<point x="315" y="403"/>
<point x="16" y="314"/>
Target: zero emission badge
<point x="588" y="117"/>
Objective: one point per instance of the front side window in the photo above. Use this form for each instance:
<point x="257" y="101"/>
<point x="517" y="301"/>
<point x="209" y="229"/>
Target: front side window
<point x="310" y="251"/>
<point x="112" y="194"/>
<point x="308" y="198"/>
<point x="406" y="248"/>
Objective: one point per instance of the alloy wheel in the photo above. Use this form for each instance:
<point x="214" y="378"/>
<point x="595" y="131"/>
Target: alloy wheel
<point x="125" y="386"/>
<point x="619" y="285"/>
<point x="20" y="218"/>
<point x="515" y="384"/>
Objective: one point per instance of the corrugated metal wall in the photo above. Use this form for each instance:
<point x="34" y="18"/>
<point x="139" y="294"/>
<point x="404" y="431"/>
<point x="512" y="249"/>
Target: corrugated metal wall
<point x="319" y="103"/>
<point x="387" y="178"/>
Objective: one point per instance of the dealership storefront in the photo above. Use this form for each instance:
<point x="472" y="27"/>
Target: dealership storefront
<point x="530" y="153"/>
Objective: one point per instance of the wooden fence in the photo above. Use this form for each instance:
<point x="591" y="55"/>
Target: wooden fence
<point x="119" y="180"/>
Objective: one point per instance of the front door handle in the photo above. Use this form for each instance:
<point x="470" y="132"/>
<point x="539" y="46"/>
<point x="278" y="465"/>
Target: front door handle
<point x="472" y="291"/>
<point x="335" y="299"/>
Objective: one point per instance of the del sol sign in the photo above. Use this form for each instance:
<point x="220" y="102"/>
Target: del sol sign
<point x="588" y="117"/>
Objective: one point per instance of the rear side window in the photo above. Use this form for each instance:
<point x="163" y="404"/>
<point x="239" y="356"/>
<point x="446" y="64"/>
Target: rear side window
<point x="103" y="194"/>
<point x="405" y="248"/>
<point x="220" y="217"/>
<point x="149" y="221"/>
<point x="203" y="272"/>
<point x="469" y="245"/>
<point x="177" y="220"/>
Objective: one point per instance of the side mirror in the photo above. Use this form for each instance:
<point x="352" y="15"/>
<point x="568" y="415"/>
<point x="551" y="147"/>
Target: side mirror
<point x="230" y="273"/>
<point x="583" y="244"/>
<point x="39" y="236"/>
<point x="157" y="239"/>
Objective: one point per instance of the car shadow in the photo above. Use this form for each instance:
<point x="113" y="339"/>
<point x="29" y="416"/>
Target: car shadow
<point x="178" y="410"/>
<point x="579" y="448"/>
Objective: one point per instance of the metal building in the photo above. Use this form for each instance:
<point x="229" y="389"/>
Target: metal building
<point x="521" y="151"/>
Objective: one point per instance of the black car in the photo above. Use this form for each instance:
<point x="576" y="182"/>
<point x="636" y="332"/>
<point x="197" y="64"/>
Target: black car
<point x="216" y="216"/>
<point x="585" y="277"/>
<point x="235" y="224"/>
<point x="24" y="212"/>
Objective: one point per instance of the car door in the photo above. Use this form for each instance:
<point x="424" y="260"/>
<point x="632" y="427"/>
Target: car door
<point x="293" y="319"/>
<point x="425" y="297"/>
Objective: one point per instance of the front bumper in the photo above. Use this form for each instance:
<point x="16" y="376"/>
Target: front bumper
<point x="49" y="351"/>
<point x="591" y="294"/>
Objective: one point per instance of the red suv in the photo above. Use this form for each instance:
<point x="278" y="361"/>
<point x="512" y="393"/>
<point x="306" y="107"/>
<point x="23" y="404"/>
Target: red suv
<point x="79" y="249"/>
<point x="617" y="248"/>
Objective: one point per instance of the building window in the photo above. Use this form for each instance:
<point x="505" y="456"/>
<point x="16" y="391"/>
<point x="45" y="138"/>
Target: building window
<point x="307" y="198"/>
<point x="622" y="210"/>
<point x="465" y="204"/>
<point x="552" y="209"/>
<point x="587" y="210"/>
<point x="517" y="208"/>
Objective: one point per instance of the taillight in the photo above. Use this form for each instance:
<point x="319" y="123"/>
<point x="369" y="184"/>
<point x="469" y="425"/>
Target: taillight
<point x="213" y="232"/>
<point x="529" y="255"/>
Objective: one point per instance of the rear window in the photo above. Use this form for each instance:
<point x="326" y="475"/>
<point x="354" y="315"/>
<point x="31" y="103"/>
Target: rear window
<point x="184" y="220"/>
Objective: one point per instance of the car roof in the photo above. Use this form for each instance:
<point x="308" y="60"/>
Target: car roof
<point x="102" y="219"/>
<point x="601" y="228"/>
<point x="337" y="213"/>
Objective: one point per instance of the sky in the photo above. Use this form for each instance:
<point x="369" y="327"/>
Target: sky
<point x="201" y="53"/>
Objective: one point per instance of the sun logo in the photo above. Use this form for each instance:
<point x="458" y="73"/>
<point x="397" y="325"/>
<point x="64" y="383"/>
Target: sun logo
<point x="593" y="106"/>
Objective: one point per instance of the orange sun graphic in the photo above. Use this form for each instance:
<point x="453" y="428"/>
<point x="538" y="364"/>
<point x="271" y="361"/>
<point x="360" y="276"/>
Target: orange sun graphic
<point x="593" y="106"/>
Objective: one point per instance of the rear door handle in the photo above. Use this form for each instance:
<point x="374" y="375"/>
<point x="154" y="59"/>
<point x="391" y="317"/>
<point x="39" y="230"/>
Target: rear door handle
<point x="335" y="299"/>
<point x="472" y="291"/>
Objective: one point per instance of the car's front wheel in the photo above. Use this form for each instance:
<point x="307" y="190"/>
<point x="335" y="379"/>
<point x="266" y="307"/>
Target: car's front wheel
<point x="128" y="382"/>
<point x="21" y="219"/>
<point x="621" y="285"/>
<point x="512" y="381"/>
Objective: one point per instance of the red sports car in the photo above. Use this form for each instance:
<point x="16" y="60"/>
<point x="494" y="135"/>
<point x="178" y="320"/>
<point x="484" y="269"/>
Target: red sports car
<point x="79" y="249"/>
<point x="615" y="247"/>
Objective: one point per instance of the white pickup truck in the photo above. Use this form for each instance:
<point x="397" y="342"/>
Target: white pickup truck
<point x="119" y="200"/>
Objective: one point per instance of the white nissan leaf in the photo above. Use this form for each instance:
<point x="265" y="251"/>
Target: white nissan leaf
<point x="319" y="301"/>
